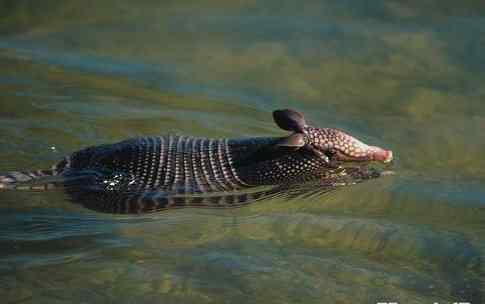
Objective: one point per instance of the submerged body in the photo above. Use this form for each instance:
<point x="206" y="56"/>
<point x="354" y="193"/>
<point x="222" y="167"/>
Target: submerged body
<point x="149" y="170"/>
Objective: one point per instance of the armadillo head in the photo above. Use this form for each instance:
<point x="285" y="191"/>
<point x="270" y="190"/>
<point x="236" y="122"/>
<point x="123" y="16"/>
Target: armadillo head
<point x="343" y="147"/>
<point x="326" y="142"/>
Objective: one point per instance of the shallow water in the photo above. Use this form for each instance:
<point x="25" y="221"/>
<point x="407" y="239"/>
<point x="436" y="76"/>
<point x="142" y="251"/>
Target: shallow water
<point x="407" y="76"/>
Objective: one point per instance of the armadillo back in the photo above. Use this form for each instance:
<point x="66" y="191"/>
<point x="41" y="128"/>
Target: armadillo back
<point x="176" y="164"/>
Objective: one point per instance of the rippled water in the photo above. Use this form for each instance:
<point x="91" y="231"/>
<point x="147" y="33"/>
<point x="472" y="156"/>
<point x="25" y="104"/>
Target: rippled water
<point x="405" y="75"/>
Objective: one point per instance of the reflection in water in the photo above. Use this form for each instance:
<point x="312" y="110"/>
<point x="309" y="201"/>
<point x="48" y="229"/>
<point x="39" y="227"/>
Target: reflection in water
<point x="109" y="192"/>
<point x="408" y="74"/>
<point x="111" y="200"/>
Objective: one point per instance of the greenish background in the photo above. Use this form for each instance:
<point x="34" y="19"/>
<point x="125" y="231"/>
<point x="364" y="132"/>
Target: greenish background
<point x="405" y="75"/>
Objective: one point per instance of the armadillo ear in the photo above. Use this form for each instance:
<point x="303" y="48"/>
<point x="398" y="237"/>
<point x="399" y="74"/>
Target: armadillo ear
<point x="289" y="120"/>
<point x="294" y="141"/>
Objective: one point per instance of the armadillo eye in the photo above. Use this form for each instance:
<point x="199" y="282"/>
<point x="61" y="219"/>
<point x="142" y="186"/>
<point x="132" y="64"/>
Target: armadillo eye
<point x="330" y="152"/>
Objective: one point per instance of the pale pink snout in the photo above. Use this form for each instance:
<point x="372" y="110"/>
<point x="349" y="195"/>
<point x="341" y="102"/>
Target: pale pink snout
<point x="379" y="154"/>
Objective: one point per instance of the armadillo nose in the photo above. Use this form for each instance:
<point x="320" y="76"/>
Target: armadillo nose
<point x="382" y="155"/>
<point x="389" y="157"/>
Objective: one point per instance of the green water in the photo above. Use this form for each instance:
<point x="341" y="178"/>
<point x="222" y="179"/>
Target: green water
<point x="404" y="75"/>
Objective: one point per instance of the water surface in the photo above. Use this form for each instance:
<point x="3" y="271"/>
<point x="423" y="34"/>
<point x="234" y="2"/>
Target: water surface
<point x="407" y="76"/>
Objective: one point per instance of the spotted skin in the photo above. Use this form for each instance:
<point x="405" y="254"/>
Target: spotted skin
<point x="345" y="146"/>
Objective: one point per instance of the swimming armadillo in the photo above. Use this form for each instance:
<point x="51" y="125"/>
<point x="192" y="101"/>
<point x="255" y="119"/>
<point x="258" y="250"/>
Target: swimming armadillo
<point x="141" y="174"/>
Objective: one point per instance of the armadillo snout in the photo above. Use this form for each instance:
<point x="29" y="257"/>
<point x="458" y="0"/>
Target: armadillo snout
<point x="381" y="155"/>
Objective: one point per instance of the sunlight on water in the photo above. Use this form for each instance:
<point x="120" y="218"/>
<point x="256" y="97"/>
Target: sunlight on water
<point x="407" y="76"/>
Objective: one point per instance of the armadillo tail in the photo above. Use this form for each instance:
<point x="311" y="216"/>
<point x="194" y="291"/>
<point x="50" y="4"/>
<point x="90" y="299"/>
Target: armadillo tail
<point x="28" y="180"/>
